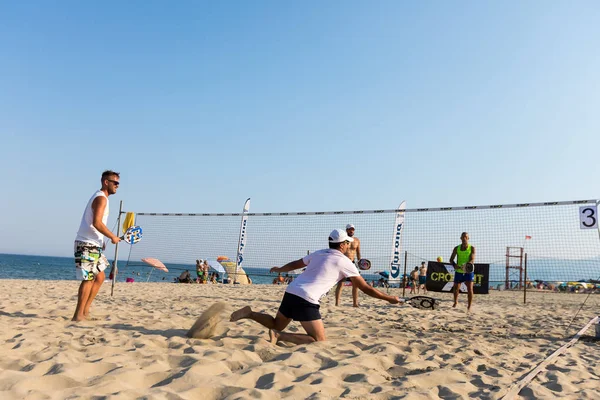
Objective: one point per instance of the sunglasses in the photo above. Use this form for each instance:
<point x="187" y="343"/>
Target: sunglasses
<point x="115" y="182"/>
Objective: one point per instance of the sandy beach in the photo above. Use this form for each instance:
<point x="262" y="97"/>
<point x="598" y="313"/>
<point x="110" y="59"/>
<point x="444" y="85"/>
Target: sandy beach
<point x="134" y="346"/>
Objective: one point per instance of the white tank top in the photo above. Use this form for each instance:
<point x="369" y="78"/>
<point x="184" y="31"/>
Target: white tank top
<point x="87" y="232"/>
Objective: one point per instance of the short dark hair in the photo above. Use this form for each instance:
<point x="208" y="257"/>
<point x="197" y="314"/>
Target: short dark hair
<point x="108" y="173"/>
<point x="335" y="245"/>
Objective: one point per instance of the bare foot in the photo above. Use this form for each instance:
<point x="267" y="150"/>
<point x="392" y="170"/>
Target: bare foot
<point x="355" y="305"/>
<point x="77" y="318"/>
<point x="273" y="336"/>
<point x="454" y="305"/>
<point x="242" y="313"/>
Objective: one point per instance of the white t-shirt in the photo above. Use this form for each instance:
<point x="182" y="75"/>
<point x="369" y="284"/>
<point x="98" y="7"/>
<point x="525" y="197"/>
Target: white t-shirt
<point x="87" y="232"/>
<point x="324" y="268"/>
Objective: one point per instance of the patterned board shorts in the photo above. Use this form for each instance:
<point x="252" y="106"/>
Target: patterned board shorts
<point x="89" y="261"/>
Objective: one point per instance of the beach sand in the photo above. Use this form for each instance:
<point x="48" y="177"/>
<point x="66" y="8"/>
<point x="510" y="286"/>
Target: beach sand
<point x="135" y="346"/>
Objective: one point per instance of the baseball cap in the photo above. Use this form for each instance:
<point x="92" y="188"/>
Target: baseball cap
<point x="350" y="226"/>
<point x="338" y="236"/>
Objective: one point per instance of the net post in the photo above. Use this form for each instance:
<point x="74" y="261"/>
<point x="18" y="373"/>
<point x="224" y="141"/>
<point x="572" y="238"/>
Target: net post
<point x="403" y="276"/>
<point x="525" y="286"/>
<point x="114" y="268"/>
<point x="240" y="248"/>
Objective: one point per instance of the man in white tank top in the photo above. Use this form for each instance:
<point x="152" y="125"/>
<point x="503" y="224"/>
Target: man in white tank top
<point x="324" y="268"/>
<point x="90" y="262"/>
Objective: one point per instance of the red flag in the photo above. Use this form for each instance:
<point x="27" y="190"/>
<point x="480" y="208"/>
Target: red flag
<point x="527" y="237"/>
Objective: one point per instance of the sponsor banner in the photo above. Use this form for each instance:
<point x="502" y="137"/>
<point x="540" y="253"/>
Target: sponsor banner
<point x="242" y="240"/>
<point x="397" y="243"/>
<point x="440" y="278"/>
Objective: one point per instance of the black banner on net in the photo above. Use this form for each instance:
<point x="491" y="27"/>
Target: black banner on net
<point x="440" y="278"/>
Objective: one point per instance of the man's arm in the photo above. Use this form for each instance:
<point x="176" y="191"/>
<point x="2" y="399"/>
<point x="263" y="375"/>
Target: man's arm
<point x="472" y="258"/>
<point x="453" y="256"/>
<point x="98" y="206"/>
<point x="358" y="250"/>
<point x="289" y="266"/>
<point x="371" y="291"/>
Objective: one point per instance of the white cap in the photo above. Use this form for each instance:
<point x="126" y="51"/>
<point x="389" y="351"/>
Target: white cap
<point x="349" y="226"/>
<point x="338" y="236"/>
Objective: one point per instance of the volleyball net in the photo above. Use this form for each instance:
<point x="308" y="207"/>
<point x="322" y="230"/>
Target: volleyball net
<point x="557" y="242"/>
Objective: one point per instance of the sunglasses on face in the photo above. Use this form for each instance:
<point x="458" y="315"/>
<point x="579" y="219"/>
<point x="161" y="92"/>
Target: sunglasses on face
<point x="114" y="182"/>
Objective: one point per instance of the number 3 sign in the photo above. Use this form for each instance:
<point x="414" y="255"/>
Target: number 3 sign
<point x="588" y="217"/>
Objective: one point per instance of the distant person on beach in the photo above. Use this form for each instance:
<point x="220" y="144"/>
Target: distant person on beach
<point x="278" y="280"/>
<point x="185" y="277"/>
<point x="324" y="268"/>
<point x="352" y="252"/>
<point x="206" y="270"/>
<point x="422" y="277"/>
<point x="464" y="253"/>
<point x="90" y="261"/>
<point x="414" y="280"/>
<point x="199" y="271"/>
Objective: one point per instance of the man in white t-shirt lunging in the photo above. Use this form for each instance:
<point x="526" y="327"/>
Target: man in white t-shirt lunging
<point x="90" y="261"/>
<point x="324" y="268"/>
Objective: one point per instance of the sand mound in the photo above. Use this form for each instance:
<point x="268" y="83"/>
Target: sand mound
<point x="206" y="325"/>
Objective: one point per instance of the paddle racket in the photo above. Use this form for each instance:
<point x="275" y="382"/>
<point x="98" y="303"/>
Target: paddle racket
<point x="132" y="235"/>
<point x="421" y="302"/>
<point x="364" y="264"/>
<point x="469" y="268"/>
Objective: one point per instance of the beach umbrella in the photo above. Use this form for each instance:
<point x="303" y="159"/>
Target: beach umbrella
<point x="385" y="274"/>
<point x="214" y="264"/>
<point x="155" y="263"/>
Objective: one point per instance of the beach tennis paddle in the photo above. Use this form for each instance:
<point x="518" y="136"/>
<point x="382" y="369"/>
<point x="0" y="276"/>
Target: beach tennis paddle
<point x="364" y="264"/>
<point x="421" y="302"/>
<point x="469" y="268"/>
<point x="132" y="235"/>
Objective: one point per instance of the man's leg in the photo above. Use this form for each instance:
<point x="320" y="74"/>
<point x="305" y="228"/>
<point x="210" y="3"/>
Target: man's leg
<point x="469" y="295"/>
<point x="279" y="322"/>
<point x="315" y="332"/>
<point x="338" y="292"/>
<point x="354" y="295"/>
<point x="97" y="282"/>
<point x="456" y="291"/>
<point x="82" y="297"/>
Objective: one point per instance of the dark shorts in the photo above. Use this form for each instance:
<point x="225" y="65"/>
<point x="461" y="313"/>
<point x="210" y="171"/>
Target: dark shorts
<point x="460" y="278"/>
<point x="422" y="280"/>
<point x="298" y="309"/>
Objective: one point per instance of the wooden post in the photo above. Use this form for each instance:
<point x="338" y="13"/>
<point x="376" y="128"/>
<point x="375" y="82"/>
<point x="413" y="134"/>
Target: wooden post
<point x="525" y="286"/>
<point x="403" y="276"/>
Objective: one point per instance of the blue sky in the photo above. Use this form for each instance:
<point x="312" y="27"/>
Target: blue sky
<point x="302" y="106"/>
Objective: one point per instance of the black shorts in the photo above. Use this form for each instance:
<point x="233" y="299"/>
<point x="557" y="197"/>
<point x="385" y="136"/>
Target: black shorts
<point x="298" y="309"/>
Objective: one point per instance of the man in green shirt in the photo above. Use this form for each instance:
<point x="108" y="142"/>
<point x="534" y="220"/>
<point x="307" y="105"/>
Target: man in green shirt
<point x="463" y="268"/>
